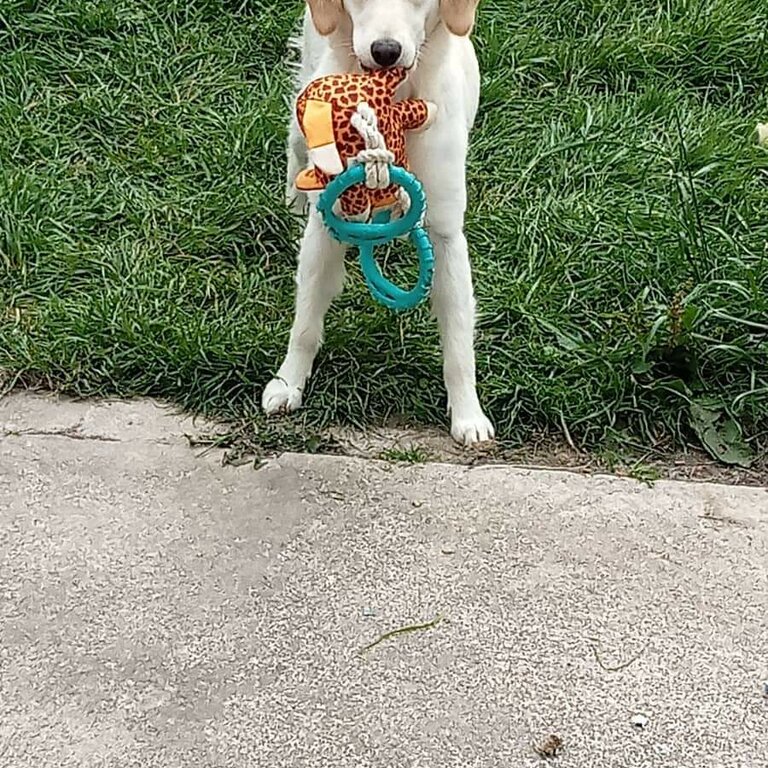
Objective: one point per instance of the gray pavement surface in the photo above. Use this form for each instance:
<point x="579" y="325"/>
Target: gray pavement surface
<point x="159" y="609"/>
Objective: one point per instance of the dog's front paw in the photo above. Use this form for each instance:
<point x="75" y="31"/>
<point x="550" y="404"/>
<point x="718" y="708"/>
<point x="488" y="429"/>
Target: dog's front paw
<point x="280" y="397"/>
<point x="468" y="429"/>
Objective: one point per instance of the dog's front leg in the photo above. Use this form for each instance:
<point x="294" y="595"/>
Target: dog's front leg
<point x="438" y="158"/>
<point x="319" y="279"/>
<point x="296" y="161"/>
<point x="453" y="303"/>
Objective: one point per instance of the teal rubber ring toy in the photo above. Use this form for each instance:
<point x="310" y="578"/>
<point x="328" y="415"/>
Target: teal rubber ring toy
<point x="367" y="235"/>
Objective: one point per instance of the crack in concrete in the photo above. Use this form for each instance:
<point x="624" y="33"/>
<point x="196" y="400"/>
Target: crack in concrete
<point x="71" y="434"/>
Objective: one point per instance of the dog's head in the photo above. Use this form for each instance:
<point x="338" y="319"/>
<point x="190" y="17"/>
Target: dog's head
<point x="390" y="33"/>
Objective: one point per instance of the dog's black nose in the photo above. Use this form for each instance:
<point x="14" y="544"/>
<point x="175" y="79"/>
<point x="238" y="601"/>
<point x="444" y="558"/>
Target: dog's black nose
<point x="386" y="52"/>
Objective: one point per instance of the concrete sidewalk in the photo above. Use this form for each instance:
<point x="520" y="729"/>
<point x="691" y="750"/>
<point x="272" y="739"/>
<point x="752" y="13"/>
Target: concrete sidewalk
<point x="159" y="609"/>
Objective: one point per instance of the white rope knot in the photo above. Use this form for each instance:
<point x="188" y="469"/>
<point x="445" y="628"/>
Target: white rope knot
<point x="375" y="157"/>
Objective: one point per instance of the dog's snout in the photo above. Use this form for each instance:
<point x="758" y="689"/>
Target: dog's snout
<point x="386" y="52"/>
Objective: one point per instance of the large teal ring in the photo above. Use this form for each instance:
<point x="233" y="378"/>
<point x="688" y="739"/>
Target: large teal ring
<point x="367" y="235"/>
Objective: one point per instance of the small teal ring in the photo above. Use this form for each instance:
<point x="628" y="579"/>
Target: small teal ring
<point x="385" y="291"/>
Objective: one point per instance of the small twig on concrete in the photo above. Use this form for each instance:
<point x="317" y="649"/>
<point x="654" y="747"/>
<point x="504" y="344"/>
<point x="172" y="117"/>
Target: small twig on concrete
<point x="71" y="433"/>
<point x="401" y="631"/>
<point x="620" y="666"/>
<point x="212" y="442"/>
<point x="723" y="519"/>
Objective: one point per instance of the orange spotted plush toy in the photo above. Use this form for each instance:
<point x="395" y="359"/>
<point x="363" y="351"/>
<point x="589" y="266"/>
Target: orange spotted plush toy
<point x="354" y="118"/>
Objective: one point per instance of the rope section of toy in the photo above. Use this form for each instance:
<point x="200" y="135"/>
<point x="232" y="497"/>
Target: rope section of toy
<point x="376" y="158"/>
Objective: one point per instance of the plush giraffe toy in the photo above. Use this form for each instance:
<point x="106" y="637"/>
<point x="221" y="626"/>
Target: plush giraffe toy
<point x="334" y="114"/>
<point x="355" y="135"/>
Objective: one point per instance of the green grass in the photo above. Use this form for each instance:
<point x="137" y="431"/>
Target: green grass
<point x="618" y="217"/>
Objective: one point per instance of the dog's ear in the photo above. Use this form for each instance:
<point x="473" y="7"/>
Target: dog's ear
<point x="458" y="15"/>
<point x="325" y="14"/>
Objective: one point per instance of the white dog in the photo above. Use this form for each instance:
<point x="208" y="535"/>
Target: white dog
<point x="429" y="37"/>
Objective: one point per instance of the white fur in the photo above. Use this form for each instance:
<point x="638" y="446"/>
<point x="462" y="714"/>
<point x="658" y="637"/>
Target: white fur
<point x="445" y="73"/>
